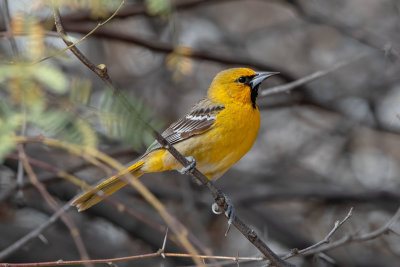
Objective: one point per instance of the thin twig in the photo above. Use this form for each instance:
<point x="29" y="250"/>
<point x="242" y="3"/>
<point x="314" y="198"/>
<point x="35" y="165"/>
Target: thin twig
<point x="7" y="22"/>
<point x="53" y="204"/>
<point x="131" y="258"/>
<point x="14" y="49"/>
<point x="117" y="204"/>
<point x="285" y="88"/>
<point x="364" y="36"/>
<point x="217" y="193"/>
<point x="83" y="38"/>
<point x="326" y="240"/>
<point x="135" y="10"/>
<point x="162" y="47"/>
<point x="34" y="233"/>
<point x="88" y="152"/>
<point x="348" y="239"/>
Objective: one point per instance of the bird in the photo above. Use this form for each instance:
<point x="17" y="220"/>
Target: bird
<point x="215" y="134"/>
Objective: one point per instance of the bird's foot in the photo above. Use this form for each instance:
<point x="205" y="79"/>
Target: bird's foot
<point x="229" y="213"/>
<point x="190" y="167"/>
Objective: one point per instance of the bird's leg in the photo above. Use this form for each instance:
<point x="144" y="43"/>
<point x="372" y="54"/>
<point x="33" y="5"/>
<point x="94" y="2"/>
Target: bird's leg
<point x="190" y="167"/>
<point x="229" y="213"/>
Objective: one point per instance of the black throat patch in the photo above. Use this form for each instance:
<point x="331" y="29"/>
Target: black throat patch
<point x="253" y="95"/>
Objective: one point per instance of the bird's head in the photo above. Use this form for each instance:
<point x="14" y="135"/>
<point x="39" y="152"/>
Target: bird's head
<point x="237" y="84"/>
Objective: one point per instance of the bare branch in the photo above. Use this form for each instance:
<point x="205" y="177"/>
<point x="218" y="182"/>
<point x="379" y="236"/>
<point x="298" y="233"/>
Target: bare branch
<point x="34" y="233"/>
<point x="326" y="240"/>
<point x="350" y="238"/>
<point x="163" y="47"/>
<point x="117" y="204"/>
<point x="364" y="36"/>
<point x="285" y="88"/>
<point x="7" y="22"/>
<point x="135" y="10"/>
<point x="83" y="38"/>
<point x="132" y="258"/>
<point x="14" y="48"/>
<point x="53" y="204"/>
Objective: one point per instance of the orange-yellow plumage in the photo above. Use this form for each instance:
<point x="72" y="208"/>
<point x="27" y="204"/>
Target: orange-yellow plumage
<point x="218" y="132"/>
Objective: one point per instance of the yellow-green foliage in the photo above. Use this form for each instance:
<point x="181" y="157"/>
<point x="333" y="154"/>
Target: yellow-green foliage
<point x="123" y="125"/>
<point x="97" y="8"/>
<point x="53" y="103"/>
<point x="160" y="8"/>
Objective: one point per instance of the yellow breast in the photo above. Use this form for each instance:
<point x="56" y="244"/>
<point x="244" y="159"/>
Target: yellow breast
<point x="232" y="136"/>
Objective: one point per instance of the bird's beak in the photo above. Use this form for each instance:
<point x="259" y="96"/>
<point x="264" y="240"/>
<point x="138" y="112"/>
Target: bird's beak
<point x="261" y="76"/>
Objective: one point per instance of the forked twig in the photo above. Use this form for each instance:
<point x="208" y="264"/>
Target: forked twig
<point x="326" y="240"/>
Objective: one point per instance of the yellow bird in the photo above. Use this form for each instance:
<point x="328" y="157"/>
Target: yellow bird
<point x="217" y="132"/>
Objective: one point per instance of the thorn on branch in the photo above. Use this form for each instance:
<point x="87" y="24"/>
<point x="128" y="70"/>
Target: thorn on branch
<point x="163" y="245"/>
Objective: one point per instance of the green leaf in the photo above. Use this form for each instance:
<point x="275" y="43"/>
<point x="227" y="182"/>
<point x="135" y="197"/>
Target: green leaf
<point x="123" y="125"/>
<point x="9" y="123"/>
<point x="7" y="145"/>
<point x="51" y="77"/>
<point x="5" y="72"/>
<point x="65" y="126"/>
<point x="81" y="91"/>
<point x="158" y="7"/>
<point x="51" y="122"/>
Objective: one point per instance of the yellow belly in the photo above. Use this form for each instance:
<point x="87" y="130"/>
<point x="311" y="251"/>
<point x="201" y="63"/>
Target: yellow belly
<point x="216" y="150"/>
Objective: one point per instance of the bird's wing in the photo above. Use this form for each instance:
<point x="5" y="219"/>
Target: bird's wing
<point x="199" y="120"/>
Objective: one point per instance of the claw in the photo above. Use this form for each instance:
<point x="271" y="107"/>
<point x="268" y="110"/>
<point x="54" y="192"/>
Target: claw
<point x="190" y="167"/>
<point x="216" y="209"/>
<point x="229" y="213"/>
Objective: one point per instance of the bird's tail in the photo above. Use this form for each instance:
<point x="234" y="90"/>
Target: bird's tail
<point x="106" y="188"/>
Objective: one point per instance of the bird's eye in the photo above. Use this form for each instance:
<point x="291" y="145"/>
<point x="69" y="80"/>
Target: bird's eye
<point x="242" y="79"/>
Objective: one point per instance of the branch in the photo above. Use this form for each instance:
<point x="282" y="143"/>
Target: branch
<point x="34" y="233"/>
<point x="117" y="204"/>
<point x="163" y="47"/>
<point x="110" y="261"/>
<point x="326" y="240"/>
<point x="53" y="204"/>
<point x="83" y="38"/>
<point x="136" y="10"/>
<point x="217" y="193"/>
<point x="15" y="51"/>
<point x="320" y="194"/>
<point x="359" y="238"/>
<point x="364" y="36"/>
<point x="88" y="152"/>
<point x="9" y="33"/>
<point x="350" y="238"/>
<point x="285" y="88"/>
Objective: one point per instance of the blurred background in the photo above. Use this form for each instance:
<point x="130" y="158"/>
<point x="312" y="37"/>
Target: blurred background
<point x="323" y="148"/>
